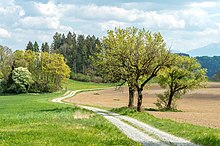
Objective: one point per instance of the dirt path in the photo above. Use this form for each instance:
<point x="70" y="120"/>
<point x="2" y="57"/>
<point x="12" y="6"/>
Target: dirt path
<point x="200" y="107"/>
<point x="134" y="129"/>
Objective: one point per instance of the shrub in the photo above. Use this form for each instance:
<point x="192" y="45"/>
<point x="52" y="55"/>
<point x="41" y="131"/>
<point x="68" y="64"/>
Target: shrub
<point x="21" y="81"/>
<point x="97" y="79"/>
<point x="82" y="77"/>
<point x="163" y="99"/>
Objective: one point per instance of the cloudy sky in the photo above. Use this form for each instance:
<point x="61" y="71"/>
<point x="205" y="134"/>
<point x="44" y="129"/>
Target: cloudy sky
<point x="185" y="24"/>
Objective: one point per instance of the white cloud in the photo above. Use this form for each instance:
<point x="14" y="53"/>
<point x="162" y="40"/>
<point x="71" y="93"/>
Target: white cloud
<point x="48" y="9"/>
<point x="209" y="31"/>
<point x="40" y="22"/>
<point x="194" y="18"/>
<point x="4" y="33"/>
<point x="203" y="4"/>
<point x="111" y="25"/>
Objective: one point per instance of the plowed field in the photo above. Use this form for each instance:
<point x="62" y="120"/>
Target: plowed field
<point x="200" y="107"/>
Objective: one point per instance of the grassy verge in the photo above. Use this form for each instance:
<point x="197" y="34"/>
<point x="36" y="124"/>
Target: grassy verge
<point x="197" y="134"/>
<point x="77" y="85"/>
<point x="31" y="119"/>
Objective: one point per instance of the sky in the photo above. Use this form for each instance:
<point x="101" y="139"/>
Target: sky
<point x="184" y="24"/>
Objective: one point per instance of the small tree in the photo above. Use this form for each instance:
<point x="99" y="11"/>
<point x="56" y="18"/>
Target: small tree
<point x="184" y="75"/>
<point x="30" y="46"/>
<point x="21" y="80"/>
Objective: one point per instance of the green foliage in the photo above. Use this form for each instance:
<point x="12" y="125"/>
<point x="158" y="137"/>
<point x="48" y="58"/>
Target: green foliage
<point x="30" y="46"/>
<point x="36" y="47"/>
<point x="22" y="80"/>
<point x="183" y="75"/>
<point x="82" y="77"/>
<point x="197" y="134"/>
<point x="5" y="62"/>
<point x="45" y="47"/>
<point x="212" y="64"/>
<point x="49" y="71"/>
<point x="133" y="56"/>
<point x="77" y="50"/>
<point x="54" y="71"/>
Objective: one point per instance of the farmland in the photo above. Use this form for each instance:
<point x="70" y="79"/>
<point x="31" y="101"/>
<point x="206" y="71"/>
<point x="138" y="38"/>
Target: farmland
<point x="200" y="107"/>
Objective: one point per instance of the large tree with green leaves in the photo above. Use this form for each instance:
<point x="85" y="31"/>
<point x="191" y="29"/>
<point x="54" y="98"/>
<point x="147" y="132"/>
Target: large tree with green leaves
<point x="135" y="56"/>
<point x="5" y="62"/>
<point x="45" y="47"/>
<point x="183" y="75"/>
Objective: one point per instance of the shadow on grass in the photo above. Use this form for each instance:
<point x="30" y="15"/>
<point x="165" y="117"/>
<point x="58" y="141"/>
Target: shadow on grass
<point x="162" y="110"/>
<point x="61" y="109"/>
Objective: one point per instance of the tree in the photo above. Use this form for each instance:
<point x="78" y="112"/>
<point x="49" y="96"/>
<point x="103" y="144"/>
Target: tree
<point x="45" y="47"/>
<point x="135" y="56"/>
<point x="54" y="71"/>
<point x="56" y="42"/>
<point x="36" y="47"/>
<point x="30" y="46"/>
<point x="183" y="75"/>
<point x="5" y="62"/>
<point x="22" y="80"/>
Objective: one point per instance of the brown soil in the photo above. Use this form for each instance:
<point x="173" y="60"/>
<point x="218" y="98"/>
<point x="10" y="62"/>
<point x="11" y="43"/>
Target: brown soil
<point x="200" y="107"/>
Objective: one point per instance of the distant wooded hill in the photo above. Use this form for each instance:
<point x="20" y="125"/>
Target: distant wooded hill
<point x="212" y="64"/>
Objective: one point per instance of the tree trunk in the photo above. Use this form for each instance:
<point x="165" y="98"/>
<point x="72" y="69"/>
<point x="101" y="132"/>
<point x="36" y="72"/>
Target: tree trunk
<point x="131" y="97"/>
<point x="170" y="100"/>
<point x="140" y="96"/>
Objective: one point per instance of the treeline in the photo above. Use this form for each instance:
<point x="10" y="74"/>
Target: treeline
<point x="212" y="64"/>
<point x="76" y="49"/>
<point x="30" y="71"/>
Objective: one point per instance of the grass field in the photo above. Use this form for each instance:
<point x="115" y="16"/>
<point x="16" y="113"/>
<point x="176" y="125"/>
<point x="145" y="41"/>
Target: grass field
<point x="31" y="119"/>
<point x="77" y="85"/>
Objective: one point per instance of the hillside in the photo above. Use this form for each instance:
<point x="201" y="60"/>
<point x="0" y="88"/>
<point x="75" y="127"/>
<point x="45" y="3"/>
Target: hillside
<point x="209" y="50"/>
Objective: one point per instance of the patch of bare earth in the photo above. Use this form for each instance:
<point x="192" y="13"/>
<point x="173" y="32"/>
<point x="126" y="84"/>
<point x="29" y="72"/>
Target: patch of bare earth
<point x="200" y="107"/>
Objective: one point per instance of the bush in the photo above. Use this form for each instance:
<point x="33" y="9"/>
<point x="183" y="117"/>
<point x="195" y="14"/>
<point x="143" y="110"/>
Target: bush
<point x="1" y="87"/>
<point x="82" y="77"/>
<point x="19" y="81"/>
<point x="72" y="75"/>
<point x="86" y="78"/>
<point x="22" y="80"/>
<point x="96" y="79"/>
<point x="162" y="101"/>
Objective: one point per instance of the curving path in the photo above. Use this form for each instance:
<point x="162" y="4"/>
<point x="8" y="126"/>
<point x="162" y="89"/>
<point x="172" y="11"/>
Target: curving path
<point x="134" y="129"/>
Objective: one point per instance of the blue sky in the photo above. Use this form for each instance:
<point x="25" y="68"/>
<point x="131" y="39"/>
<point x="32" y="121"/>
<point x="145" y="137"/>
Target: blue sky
<point x="184" y="24"/>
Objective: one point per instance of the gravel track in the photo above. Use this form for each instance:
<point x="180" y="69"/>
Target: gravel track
<point x="142" y="136"/>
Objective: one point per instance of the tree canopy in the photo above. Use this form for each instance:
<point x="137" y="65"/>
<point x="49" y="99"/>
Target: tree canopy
<point x="183" y="75"/>
<point x="133" y="55"/>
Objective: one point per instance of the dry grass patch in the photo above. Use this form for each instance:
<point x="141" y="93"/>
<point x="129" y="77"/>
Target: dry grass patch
<point x="82" y="115"/>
